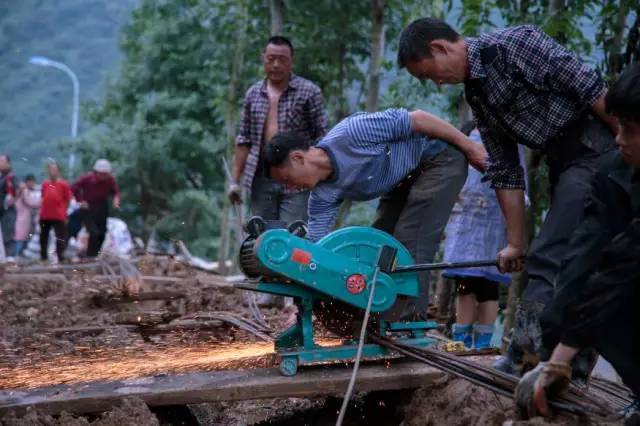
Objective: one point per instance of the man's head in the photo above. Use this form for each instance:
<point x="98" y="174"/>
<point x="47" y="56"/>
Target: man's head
<point x="288" y="158"/>
<point x="102" y="169"/>
<point x="5" y="163"/>
<point x="278" y="59"/>
<point x="30" y="181"/>
<point x="53" y="170"/>
<point x="623" y="102"/>
<point x="431" y="50"/>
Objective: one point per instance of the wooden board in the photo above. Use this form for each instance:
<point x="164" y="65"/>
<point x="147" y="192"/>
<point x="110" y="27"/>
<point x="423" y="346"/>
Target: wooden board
<point x="218" y="386"/>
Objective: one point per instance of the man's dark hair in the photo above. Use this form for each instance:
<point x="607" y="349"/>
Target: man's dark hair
<point x="623" y="98"/>
<point x="280" y="41"/>
<point x="277" y="151"/>
<point x="29" y="177"/>
<point x="415" y="39"/>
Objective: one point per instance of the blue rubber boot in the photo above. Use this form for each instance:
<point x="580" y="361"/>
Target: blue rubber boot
<point x="482" y="334"/>
<point x="462" y="333"/>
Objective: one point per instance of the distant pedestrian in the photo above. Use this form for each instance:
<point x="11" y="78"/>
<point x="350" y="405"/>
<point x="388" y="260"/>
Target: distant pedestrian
<point x="27" y="200"/>
<point x="56" y="196"/>
<point x="7" y="200"/>
<point x="93" y="190"/>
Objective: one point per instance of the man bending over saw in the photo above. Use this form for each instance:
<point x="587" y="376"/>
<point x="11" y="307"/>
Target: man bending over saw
<point x="394" y="155"/>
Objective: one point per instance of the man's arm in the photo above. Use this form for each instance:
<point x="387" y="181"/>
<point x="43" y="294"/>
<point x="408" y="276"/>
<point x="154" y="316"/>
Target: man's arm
<point x="239" y="161"/>
<point x="512" y="205"/>
<point x="77" y="189"/>
<point x="507" y="178"/>
<point x="241" y="152"/>
<point x="598" y="109"/>
<point x="317" y="114"/>
<point x="435" y="127"/>
<point x="322" y="216"/>
<point x="546" y="63"/>
<point x="115" y="193"/>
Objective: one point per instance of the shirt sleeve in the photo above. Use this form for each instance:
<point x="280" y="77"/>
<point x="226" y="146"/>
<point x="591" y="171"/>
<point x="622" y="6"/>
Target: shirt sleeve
<point x="544" y="62"/>
<point x="317" y="114"/>
<point x="67" y="194"/>
<point x="243" y="136"/>
<point x="77" y="189"/>
<point x="322" y="216"/>
<point x="115" y="190"/>
<point x="504" y="170"/>
<point x="379" y="127"/>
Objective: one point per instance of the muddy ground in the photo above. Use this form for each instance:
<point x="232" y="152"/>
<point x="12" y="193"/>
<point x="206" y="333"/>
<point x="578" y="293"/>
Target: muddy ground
<point x="34" y="305"/>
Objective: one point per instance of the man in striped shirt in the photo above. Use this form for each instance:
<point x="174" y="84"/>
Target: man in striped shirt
<point x="391" y="154"/>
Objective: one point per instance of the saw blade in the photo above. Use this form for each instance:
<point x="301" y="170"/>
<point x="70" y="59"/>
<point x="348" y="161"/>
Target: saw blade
<point x="342" y="319"/>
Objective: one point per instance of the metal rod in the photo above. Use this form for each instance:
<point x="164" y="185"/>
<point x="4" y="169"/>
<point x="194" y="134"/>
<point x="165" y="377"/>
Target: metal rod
<point x="444" y="265"/>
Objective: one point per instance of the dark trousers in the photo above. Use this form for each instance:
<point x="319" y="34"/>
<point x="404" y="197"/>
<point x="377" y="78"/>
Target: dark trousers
<point x="605" y="313"/>
<point x="96" y="223"/>
<point x="60" y="230"/>
<point x="270" y="201"/>
<point x="417" y="211"/>
<point x="573" y="160"/>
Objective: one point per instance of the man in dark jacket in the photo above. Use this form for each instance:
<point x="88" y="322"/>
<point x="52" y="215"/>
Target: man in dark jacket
<point x="597" y="301"/>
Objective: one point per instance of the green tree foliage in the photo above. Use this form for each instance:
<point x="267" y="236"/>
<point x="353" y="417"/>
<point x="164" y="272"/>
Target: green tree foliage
<point x="166" y="120"/>
<point x="35" y="112"/>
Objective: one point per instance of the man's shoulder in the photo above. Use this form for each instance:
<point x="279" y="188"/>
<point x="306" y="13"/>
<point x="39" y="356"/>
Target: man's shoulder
<point x="254" y="89"/>
<point x="509" y="34"/>
<point x="308" y="85"/>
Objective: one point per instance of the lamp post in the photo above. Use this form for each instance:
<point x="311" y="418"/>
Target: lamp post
<point x="46" y="62"/>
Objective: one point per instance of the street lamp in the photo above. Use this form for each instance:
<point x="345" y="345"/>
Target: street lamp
<point x="46" y="62"/>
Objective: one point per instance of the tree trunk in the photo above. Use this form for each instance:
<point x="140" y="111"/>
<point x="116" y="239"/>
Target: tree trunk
<point x="613" y="50"/>
<point x="231" y="118"/>
<point x="377" y="49"/>
<point x="277" y="16"/>
<point x="632" y="52"/>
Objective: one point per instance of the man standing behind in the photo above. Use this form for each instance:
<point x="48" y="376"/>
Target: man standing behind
<point x="523" y="88"/>
<point x="282" y="101"/>
<point x="56" y="196"/>
<point x="92" y="190"/>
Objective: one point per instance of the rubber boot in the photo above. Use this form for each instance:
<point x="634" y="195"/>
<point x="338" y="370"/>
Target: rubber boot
<point x="482" y="334"/>
<point x="526" y="341"/>
<point x="462" y="333"/>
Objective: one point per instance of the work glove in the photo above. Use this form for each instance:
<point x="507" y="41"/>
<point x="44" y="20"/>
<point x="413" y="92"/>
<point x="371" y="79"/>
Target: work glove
<point x="234" y="192"/>
<point x="545" y="381"/>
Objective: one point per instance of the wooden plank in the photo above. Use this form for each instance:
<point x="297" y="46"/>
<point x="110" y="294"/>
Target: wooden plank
<point x="234" y="385"/>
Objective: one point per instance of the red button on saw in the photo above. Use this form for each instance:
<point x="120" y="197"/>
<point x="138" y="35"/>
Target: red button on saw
<point x="356" y="283"/>
<point x="301" y="256"/>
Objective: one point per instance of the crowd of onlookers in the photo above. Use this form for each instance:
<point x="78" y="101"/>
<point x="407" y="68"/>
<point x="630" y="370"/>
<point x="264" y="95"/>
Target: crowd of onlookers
<point x="28" y="209"/>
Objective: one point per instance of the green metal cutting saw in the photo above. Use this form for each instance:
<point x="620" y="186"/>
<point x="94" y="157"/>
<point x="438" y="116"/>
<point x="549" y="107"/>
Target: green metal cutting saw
<point x="331" y="280"/>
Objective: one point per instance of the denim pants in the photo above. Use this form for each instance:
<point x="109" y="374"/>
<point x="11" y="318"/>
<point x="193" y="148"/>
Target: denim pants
<point x="270" y="201"/>
<point x="416" y="213"/>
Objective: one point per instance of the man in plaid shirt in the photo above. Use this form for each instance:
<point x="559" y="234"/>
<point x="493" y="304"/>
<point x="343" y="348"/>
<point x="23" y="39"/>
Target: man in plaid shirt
<point x="282" y="101"/>
<point x="523" y="88"/>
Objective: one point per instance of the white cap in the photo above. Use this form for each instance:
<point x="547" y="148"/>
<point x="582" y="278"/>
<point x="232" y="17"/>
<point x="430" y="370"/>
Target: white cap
<point x="102" y="166"/>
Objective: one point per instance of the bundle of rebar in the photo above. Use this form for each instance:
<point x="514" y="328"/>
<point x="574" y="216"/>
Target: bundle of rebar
<point x="575" y="400"/>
